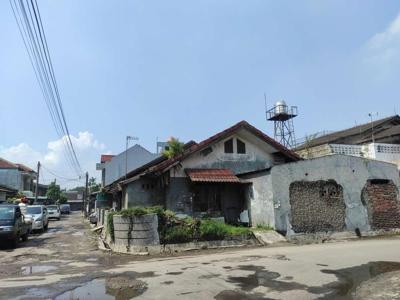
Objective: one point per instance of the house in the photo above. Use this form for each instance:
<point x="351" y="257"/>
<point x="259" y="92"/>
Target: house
<point x="115" y="167"/>
<point x="42" y="189"/>
<point x="244" y="176"/>
<point x="75" y="200"/>
<point x="207" y="178"/>
<point x="378" y="140"/>
<point x="16" y="176"/>
<point x="6" y="192"/>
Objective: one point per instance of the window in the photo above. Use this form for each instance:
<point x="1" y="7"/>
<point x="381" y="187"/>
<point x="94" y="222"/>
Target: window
<point x="241" y="147"/>
<point x="228" y="146"/>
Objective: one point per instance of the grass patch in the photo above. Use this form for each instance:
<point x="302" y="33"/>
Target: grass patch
<point x="263" y="227"/>
<point x="214" y="230"/>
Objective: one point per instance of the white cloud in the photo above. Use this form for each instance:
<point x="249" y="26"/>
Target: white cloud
<point x="382" y="51"/>
<point x="87" y="148"/>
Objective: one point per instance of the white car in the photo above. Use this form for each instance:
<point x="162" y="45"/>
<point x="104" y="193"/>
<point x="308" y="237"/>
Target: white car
<point x="39" y="215"/>
<point x="54" y="211"/>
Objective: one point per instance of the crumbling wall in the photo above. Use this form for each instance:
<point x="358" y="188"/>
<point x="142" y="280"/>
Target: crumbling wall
<point x="381" y="199"/>
<point x="317" y="206"/>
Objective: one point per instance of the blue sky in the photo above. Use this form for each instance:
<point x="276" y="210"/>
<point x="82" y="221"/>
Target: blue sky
<point x="192" y="68"/>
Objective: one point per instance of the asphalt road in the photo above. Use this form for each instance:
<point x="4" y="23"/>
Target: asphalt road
<point x="64" y="263"/>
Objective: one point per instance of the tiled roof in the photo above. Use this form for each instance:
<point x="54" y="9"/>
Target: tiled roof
<point x="161" y="163"/>
<point x="221" y="135"/>
<point x="212" y="175"/>
<point x="106" y="157"/>
<point x="25" y="168"/>
<point x="5" y="164"/>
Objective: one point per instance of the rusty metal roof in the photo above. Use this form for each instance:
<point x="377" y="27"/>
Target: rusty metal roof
<point x="212" y="175"/>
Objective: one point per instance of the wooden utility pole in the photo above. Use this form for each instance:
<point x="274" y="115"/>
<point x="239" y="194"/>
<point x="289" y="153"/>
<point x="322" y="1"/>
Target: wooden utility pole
<point x="86" y="194"/>
<point x="37" y="182"/>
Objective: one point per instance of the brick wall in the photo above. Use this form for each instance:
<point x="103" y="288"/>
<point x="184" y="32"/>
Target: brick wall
<point x="381" y="199"/>
<point x="317" y="206"/>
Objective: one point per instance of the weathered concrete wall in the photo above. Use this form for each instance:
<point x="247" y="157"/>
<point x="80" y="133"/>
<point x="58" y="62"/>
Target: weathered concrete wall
<point x="316" y="151"/>
<point x="351" y="173"/>
<point x="317" y="206"/>
<point x="136" y="231"/>
<point x="382" y="201"/>
<point x="11" y="178"/>
<point x="258" y="156"/>
<point x="260" y="199"/>
<point x="143" y="192"/>
<point x="178" y="196"/>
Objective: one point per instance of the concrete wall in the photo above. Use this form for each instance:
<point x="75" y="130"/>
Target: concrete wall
<point x="11" y="178"/>
<point x="260" y="199"/>
<point x="178" y="196"/>
<point x="351" y="173"/>
<point x="136" y="157"/>
<point x="143" y="192"/>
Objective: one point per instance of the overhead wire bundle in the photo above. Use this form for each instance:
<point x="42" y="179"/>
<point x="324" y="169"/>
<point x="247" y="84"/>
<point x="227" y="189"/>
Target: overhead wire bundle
<point x="29" y="21"/>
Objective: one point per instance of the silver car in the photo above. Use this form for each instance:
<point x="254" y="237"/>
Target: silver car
<point x="39" y="215"/>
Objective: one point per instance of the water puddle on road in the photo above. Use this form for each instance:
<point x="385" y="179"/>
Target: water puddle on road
<point x="29" y="270"/>
<point x="120" y="288"/>
<point x="348" y="279"/>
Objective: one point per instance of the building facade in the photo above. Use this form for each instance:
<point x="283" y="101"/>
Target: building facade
<point x="16" y="176"/>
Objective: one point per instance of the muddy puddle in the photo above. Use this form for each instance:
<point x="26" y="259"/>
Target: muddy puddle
<point x="348" y="279"/>
<point x="119" y="288"/>
<point x="29" y="270"/>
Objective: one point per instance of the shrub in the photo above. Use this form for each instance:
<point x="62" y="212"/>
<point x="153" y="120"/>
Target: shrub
<point x="174" y="230"/>
<point x="178" y="234"/>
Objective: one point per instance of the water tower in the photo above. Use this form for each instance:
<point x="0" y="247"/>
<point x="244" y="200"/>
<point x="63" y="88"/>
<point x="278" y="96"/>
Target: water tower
<point x="283" y="115"/>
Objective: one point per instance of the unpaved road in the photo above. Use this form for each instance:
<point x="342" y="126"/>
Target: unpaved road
<point x="64" y="263"/>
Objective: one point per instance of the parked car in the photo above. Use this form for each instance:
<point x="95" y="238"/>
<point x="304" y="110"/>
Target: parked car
<point x="12" y="225"/>
<point x="65" y="208"/>
<point x="28" y="218"/>
<point x="40" y="217"/>
<point x="54" y="211"/>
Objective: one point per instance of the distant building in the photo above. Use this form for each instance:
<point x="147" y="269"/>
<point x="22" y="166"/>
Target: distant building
<point x="379" y="140"/>
<point x="16" y="176"/>
<point x="114" y="167"/>
<point x="75" y="200"/>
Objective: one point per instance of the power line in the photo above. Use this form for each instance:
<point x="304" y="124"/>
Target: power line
<point x="59" y="176"/>
<point x="29" y="21"/>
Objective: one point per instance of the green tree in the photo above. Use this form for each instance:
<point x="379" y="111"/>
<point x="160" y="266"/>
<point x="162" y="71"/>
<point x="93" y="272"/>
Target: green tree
<point x="53" y="191"/>
<point x="174" y="148"/>
<point x="78" y="189"/>
<point x="93" y="186"/>
<point x="63" y="199"/>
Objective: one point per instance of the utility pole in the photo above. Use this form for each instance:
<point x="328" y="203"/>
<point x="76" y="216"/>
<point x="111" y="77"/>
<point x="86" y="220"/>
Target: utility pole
<point x="37" y="182"/>
<point x="86" y="194"/>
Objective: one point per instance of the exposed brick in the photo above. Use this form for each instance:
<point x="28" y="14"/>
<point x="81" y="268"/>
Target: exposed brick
<point x="382" y="203"/>
<point x="317" y="206"/>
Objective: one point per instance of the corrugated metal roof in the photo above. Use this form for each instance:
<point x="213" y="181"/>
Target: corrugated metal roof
<point x="212" y="175"/>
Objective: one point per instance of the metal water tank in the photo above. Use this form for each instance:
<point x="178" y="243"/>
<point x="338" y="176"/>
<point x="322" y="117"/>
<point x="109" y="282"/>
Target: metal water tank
<point x="281" y="107"/>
